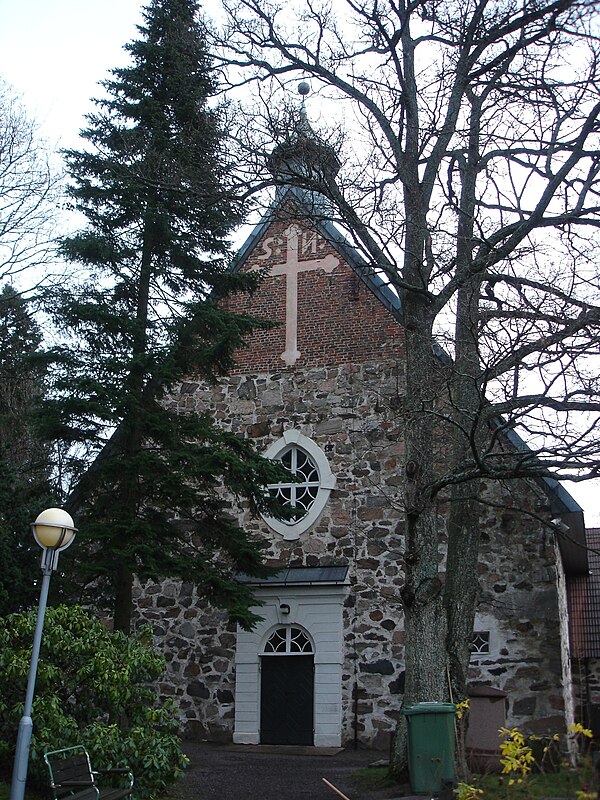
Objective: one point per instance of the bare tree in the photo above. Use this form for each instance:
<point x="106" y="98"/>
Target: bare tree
<point x="28" y="194"/>
<point x="473" y="186"/>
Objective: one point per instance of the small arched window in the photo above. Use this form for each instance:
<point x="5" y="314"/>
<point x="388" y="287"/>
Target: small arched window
<point x="307" y="493"/>
<point x="288" y="640"/>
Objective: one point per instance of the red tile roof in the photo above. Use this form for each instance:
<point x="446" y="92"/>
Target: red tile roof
<point x="584" y="603"/>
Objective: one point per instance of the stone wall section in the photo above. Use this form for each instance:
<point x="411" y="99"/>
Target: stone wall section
<point x="197" y="643"/>
<point x="523" y="609"/>
<point x="349" y="410"/>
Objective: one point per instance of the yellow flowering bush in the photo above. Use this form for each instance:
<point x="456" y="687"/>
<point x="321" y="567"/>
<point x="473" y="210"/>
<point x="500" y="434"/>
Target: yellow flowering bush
<point x="578" y="729"/>
<point x="517" y="757"/>
<point x="462" y="708"/>
<point x="465" y="791"/>
<point x="522" y="756"/>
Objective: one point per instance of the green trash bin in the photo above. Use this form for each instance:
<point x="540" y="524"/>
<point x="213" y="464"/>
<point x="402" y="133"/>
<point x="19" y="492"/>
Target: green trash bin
<point x="430" y="745"/>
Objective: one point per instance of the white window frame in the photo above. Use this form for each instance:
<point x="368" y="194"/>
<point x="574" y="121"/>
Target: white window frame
<point x="285" y="633"/>
<point x="480" y="643"/>
<point x="291" y="529"/>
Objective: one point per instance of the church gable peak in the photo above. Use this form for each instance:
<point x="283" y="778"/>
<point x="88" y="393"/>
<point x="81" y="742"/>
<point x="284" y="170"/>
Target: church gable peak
<point x="324" y="310"/>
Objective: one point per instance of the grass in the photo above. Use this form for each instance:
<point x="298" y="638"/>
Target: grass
<point x="564" y="783"/>
<point x="373" y="778"/>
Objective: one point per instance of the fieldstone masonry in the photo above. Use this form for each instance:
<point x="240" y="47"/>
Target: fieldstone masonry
<point x="345" y="393"/>
<point x="347" y="411"/>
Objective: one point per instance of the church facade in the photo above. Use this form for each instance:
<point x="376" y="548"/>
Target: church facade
<point x="322" y="391"/>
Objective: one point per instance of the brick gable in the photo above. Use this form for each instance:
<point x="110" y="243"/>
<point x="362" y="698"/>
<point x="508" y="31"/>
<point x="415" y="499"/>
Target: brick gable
<point x="339" y="319"/>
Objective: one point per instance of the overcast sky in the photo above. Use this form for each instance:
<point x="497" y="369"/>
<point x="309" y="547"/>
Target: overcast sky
<point x="54" y="52"/>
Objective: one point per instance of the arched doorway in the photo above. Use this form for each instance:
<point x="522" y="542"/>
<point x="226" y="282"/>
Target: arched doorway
<point x="287" y="688"/>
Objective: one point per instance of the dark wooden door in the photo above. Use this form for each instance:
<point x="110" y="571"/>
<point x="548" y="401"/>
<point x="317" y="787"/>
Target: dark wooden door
<point x="286" y="700"/>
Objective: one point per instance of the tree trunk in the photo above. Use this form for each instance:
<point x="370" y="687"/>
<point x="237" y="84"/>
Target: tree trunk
<point x="424" y="619"/>
<point x="461" y="589"/>
<point x="123" y="585"/>
<point x="468" y="439"/>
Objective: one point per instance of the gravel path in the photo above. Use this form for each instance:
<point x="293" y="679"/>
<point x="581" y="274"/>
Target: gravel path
<point x="233" y="772"/>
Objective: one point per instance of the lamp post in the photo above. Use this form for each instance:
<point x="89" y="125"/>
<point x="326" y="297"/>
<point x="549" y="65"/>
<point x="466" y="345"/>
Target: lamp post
<point x="54" y="531"/>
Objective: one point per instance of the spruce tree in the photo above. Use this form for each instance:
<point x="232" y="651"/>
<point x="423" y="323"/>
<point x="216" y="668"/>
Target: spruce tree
<point x="153" y="183"/>
<point x="24" y="460"/>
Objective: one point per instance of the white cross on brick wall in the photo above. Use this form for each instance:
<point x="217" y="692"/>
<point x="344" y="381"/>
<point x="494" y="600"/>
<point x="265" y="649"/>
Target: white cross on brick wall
<point x="291" y="268"/>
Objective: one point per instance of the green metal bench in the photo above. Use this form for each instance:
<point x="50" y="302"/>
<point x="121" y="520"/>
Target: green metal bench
<point x="72" y="777"/>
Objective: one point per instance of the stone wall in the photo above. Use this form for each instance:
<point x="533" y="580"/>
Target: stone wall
<point x="522" y="608"/>
<point x="350" y="411"/>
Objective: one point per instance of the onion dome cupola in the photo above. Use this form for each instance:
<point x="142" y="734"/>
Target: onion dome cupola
<point x="303" y="157"/>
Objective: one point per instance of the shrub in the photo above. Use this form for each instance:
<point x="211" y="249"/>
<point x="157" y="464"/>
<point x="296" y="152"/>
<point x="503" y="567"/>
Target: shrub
<point x="517" y="757"/>
<point x="93" y="688"/>
<point x="552" y="774"/>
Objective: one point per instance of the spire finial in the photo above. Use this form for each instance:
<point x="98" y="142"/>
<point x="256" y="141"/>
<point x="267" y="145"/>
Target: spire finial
<point x="303" y="89"/>
<point x="303" y="126"/>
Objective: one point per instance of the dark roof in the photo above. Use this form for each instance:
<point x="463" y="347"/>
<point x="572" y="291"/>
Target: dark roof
<point x="572" y="542"/>
<point x="299" y="576"/>
<point x="303" y="154"/>
<point x="584" y="603"/>
<point x="483" y="690"/>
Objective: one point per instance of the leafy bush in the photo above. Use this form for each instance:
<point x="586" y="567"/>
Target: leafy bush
<point x="93" y="688"/>
<point x="555" y="773"/>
